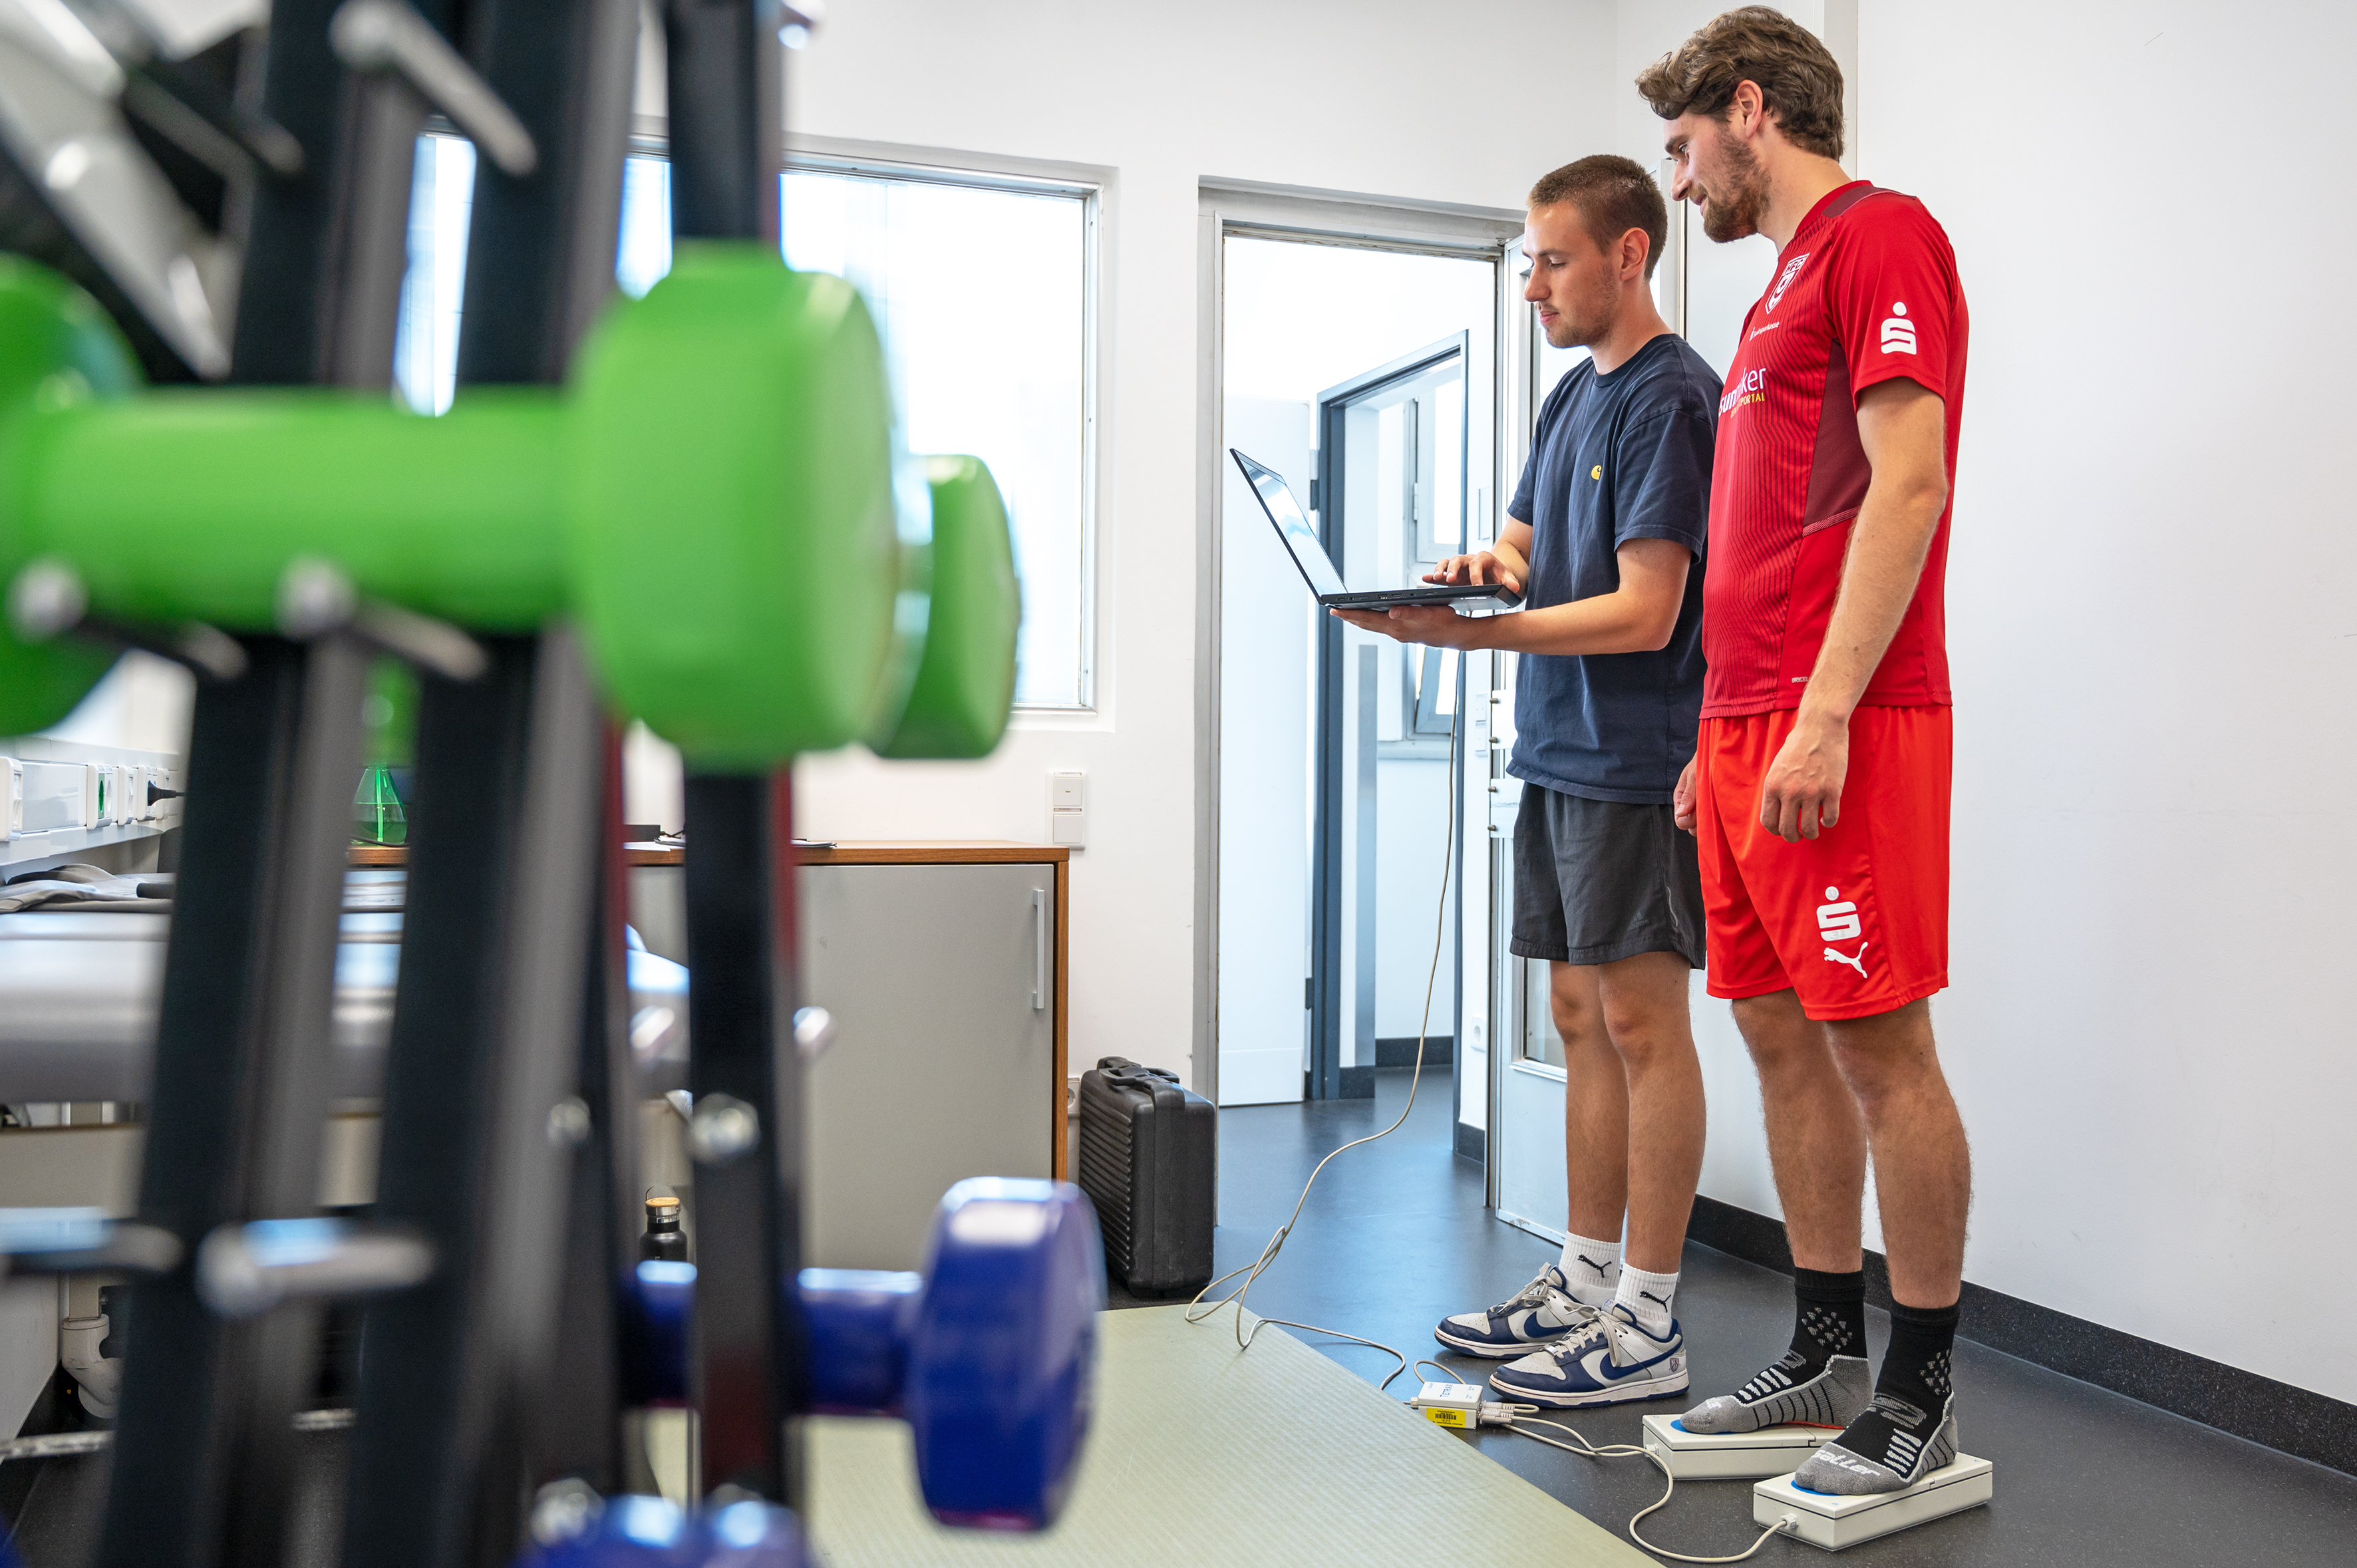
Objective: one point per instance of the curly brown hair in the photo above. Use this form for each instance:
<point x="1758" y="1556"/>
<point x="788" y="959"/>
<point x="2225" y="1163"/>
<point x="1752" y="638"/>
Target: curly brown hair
<point x="1797" y="76"/>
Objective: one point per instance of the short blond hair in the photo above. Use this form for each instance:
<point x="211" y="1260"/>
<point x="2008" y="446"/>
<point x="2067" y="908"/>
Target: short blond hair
<point x="1614" y="195"/>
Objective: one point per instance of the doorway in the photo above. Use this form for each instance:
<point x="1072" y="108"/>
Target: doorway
<point x="1365" y="374"/>
<point x="1393" y="503"/>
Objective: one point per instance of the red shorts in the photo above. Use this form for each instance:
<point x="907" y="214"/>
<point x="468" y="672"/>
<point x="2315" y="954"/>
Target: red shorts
<point x="1856" y="919"/>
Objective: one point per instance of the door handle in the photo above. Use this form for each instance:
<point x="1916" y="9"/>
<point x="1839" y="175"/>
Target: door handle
<point x="1038" y="947"/>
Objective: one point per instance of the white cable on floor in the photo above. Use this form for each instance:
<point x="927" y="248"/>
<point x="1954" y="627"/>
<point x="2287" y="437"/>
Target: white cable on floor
<point x="1269" y="1254"/>
<point x="1580" y="1444"/>
<point x="1259" y="1266"/>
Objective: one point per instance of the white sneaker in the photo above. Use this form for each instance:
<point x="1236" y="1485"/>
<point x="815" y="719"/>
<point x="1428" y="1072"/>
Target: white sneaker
<point x="1614" y="1360"/>
<point x="1541" y="1311"/>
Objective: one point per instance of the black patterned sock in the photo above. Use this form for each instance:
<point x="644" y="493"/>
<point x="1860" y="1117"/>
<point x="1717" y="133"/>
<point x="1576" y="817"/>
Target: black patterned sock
<point x="1912" y="1396"/>
<point x="1829" y="1320"/>
<point x="1830" y="1317"/>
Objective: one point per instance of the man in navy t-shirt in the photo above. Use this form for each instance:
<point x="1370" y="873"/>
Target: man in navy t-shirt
<point x="1604" y="539"/>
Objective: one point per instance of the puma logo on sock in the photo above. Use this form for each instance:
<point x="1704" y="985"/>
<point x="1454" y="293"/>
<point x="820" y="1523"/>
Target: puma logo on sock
<point x="1592" y="1263"/>
<point x="1657" y="1301"/>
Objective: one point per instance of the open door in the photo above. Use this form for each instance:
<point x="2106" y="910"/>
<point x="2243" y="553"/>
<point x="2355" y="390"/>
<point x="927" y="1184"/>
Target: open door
<point x="1393" y="501"/>
<point x="1335" y="811"/>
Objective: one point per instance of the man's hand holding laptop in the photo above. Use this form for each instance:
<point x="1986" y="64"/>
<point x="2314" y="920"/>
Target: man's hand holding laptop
<point x="1438" y="625"/>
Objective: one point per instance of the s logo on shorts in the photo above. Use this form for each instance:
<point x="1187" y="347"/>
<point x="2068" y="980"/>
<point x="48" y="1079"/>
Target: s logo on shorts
<point x="1837" y="921"/>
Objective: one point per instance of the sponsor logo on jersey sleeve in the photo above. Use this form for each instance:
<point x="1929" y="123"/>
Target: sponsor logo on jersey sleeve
<point x="1898" y="332"/>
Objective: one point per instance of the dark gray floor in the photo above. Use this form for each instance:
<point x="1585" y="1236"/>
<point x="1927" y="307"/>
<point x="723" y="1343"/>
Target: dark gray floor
<point x="1395" y="1237"/>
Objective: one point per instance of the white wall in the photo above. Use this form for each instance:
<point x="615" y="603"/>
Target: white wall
<point x="2149" y="599"/>
<point x="2148" y="592"/>
<point x="1381" y="98"/>
<point x="2152" y="594"/>
<point x="143" y="705"/>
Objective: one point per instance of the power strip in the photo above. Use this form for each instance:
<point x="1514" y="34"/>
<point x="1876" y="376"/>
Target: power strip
<point x="1730" y="1455"/>
<point x="1834" y="1523"/>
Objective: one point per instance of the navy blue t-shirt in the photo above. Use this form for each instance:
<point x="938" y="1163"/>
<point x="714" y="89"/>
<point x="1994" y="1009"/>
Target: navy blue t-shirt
<point x="1617" y="458"/>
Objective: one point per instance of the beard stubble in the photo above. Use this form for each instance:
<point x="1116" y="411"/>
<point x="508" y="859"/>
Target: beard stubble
<point x="1733" y="211"/>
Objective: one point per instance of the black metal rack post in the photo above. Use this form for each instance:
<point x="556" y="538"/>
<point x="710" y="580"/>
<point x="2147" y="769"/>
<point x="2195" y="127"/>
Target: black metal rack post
<point x="501" y="977"/>
<point x="173" y="1436"/>
<point x="202" y="1465"/>
<point x="725" y="83"/>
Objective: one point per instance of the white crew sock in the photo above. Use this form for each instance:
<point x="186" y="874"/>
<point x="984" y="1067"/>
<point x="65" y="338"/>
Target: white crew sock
<point x="1593" y="1267"/>
<point x="1649" y="1298"/>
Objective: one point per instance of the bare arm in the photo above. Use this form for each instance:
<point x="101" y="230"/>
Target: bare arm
<point x="1904" y="427"/>
<point x="1637" y="617"/>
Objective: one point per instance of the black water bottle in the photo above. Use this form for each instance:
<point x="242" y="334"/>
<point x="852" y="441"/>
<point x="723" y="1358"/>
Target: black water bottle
<point x="663" y="1240"/>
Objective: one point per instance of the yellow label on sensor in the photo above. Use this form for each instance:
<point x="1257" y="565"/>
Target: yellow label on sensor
<point x="1448" y="1417"/>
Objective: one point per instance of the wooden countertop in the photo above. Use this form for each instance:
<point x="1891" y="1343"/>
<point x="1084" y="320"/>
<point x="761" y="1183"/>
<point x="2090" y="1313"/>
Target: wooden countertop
<point x="847" y="851"/>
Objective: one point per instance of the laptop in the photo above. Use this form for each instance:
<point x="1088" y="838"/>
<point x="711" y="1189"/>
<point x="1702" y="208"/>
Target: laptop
<point x="1318" y="569"/>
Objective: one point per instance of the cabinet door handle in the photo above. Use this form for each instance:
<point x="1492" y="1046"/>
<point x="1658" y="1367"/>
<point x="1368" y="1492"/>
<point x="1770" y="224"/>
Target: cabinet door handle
<point x="1039" y="949"/>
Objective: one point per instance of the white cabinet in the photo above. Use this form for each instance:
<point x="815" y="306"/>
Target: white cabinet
<point x="943" y="982"/>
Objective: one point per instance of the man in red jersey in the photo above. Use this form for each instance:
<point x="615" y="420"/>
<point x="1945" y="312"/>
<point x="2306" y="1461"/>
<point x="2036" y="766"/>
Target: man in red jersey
<point x="1819" y="789"/>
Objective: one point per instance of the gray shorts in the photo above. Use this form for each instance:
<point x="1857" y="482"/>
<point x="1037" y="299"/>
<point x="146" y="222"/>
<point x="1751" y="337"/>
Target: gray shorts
<point x="1596" y="881"/>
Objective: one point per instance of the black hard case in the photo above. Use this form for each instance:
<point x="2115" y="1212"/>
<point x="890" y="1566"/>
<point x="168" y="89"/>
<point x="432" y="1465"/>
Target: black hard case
<point x="1149" y="1161"/>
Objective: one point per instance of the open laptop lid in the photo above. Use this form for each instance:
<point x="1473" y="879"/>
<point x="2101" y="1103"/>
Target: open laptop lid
<point x="1293" y="528"/>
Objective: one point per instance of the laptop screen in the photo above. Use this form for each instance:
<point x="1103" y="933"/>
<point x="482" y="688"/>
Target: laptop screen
<point x="1300" y="538"/>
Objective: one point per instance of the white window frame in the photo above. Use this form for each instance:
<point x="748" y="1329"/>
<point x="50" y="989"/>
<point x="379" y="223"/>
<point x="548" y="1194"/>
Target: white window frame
<point x="1093" y="186"/>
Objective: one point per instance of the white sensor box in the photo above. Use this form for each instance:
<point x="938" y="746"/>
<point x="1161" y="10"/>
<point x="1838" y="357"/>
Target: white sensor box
<point x="1449" y="1404"/>
<point x="1835" y="1523"/>
<point x="1731" y="1456"/>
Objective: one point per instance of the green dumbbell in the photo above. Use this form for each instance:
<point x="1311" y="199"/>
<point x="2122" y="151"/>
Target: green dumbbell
<point x="710" y="499"/>
<point x="963" y="683"/>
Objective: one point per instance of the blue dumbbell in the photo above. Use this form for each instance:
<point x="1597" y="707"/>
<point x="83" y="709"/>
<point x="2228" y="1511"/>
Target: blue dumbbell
<point x="584" y="1532"/>
<point x="987" y="1355"/>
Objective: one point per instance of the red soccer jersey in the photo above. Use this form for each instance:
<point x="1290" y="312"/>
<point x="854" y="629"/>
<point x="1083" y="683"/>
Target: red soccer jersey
<point x="1866" y="292"/>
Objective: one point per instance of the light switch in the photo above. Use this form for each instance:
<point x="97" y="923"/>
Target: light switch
<point x="1068" y="817"/>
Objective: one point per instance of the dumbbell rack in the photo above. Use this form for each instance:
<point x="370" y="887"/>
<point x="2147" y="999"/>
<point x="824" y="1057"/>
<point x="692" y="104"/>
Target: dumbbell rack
<point x="501" y="1371"/>
<point x="511" y="937"/>
<point x="503" y="1328"/>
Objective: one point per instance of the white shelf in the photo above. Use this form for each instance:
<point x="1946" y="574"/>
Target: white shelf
<point x="62" y="844"/>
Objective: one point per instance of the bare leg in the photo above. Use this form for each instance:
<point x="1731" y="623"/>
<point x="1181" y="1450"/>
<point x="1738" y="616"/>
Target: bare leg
<point x="1817" y="1141"/>
<point x="1595" y="1105"/>
<point x="1922" y="1167"/>
<point x="1645" y="1005"/>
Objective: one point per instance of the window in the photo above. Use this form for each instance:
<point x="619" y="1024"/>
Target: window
<point x="980" y="287"/>
<point x="441" y="204"/>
